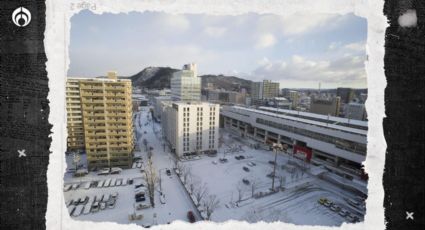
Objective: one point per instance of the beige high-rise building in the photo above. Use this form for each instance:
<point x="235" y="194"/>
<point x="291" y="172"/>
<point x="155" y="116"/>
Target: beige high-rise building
<point x="74" y="115"/>
<point x="264" y="90"/>
<point x="105" y="116"/>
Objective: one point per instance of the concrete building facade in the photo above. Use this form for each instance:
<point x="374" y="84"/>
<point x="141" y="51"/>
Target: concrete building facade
<point x="335" y="142"/>
<point x="325" y="106"/>
<point x="264" y="90"/>
<point x="106" y="108"/>
<point x="191" y="127"/>
<point x="356" y="111"/>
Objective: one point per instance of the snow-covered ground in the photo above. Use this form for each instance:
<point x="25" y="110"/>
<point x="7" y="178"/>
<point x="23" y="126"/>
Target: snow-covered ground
<point x="297" y="203"/>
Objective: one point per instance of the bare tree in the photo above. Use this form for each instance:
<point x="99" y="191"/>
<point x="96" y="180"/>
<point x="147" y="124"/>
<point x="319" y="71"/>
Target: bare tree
<point x="282" y="181"/>
<point x="254" y="186"/>
<point x="200" y="192"/>
<point x="192" y="184"/>
<point x="151" y="180"/>
<point x="240" y="190"/>
<point x="186" y="174"/>
<point x="145" y="143"/>
<point x="210" y="205"/>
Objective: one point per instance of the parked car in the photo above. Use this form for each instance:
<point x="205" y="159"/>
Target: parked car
<point x="111" y="203"/>
<point x="191" y="217"/>
<point x="343" y="212"/>
<point x="327" y="203"/>
<point x="246" y="169"/>
<point x="130" y="181"/>
<point x="114" y="195"/>
<point x="322" y="200"/>
<point x="102" y="205"/>
<point x="78" y="210"/>
<point x="223" y="160"/>
<point x="237" y="158"/>
<point x="71" y="209"/>
<point x="67" y="187"/>
<point x="140" y="199"/>
<point x="241" y="157"/>
<point x="271" y="175"/>
<point x="214" y="162"/>
<point x="87" y="208"/>
<point x="84" y="200"/>
<point x="75" y="186"/>
<point x="352" y="218"/>
<point x="168" y="171"/>
<point x="253" y="164"/>
<point x="245" y="181"/>
<point x="353" y="202"/>
<point x="272" y="162"/>
<point x="95" y="207"/>
<point x="335" y="208"/>
<point x="138" y="186"/>
<point x="116" y="170"/>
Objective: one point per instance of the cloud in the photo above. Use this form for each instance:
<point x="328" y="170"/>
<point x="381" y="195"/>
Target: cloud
<point x="297" y="24"/>
<point x="356" y="46"/>
<point x="299" y="68"/>
<point x="170" y="22"/>
<point x="213" y="31"/>
<point x="265" y="41"/>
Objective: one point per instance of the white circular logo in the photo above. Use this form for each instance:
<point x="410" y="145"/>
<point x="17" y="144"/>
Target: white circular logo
<point x="21" y="17"/>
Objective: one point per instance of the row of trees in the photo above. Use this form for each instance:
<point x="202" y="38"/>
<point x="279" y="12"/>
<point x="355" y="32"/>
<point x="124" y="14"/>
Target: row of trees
<point x="199" y="191"/>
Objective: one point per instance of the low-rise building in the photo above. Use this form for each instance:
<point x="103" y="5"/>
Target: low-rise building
<point x="335" y="142"/>
<point x="325" y="106"/>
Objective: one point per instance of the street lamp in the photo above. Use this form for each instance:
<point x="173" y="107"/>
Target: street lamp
<point x="275" y="147"/>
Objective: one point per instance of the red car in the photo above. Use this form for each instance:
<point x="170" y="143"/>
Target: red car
<point x="191" y="217"/>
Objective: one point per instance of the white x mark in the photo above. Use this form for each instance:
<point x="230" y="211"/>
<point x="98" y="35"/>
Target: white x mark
<point x="409" y="215"/>
<point x="22" y="153"/>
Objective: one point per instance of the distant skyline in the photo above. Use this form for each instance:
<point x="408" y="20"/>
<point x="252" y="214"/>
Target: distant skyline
<point x="298" y="51"/>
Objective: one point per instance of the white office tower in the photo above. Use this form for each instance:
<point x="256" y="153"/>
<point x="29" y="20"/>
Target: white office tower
<point x="185" y="84"/>
<point x="191" y="128"/>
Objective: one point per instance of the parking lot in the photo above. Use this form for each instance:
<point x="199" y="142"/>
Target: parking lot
<point x="246" y="173"/>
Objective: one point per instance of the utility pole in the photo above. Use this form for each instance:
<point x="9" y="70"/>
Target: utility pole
<point x="274" y="166"/>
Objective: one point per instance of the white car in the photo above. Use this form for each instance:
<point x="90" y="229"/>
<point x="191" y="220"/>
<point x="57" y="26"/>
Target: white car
<point x="87" y="208"/>
<point x="78" y="210"/>
<point x="119" y="182"/>
<point x="100" y="184"/>
<point x="113" y="181"/>
<point x="102" y="205"/>
<point x="67" y="187"/>
<point x="75" y="186"/>
<point x="214" y="162"/>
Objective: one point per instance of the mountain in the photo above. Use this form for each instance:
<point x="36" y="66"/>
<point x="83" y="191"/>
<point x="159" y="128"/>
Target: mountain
<point x="159" y="78"/>
<point x="153" y="77"/>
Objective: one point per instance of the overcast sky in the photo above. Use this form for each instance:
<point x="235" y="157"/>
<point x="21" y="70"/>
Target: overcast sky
<point x="299" y="51"/>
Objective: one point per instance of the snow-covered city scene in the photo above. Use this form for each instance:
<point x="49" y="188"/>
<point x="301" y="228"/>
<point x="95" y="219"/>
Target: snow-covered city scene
<point x="216" y="118"/>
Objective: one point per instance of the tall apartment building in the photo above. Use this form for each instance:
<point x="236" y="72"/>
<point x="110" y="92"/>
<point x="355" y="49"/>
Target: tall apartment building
<point x="191" y="127"/>
<point x="346" y="94"/>
<point x="185" y="84"/>
<point x="106" y="113"/>
<point x="75" y="128"/>
<point x="294" y="97"/>
<point x="325" y="106"/>
<point x="264" y="90"/>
